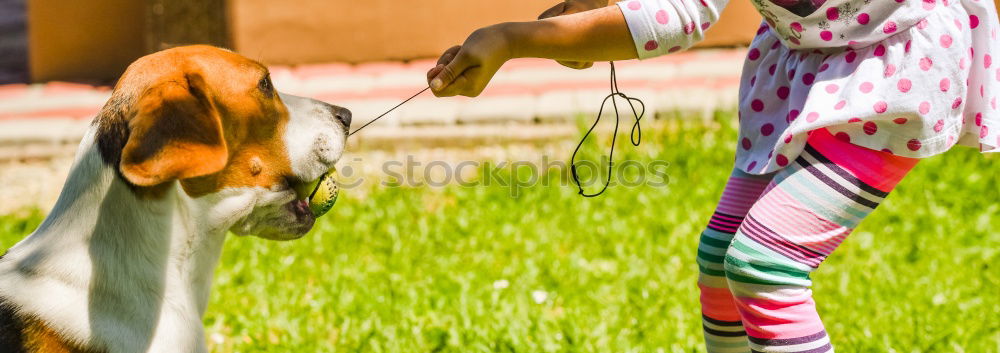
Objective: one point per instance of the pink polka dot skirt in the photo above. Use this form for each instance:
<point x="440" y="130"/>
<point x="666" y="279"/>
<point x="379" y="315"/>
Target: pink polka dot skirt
<point x="909" y="77"/>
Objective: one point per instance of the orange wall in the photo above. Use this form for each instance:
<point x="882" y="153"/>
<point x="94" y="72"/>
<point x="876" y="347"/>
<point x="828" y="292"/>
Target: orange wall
<point x="83" y="40"/>
<point x="355" y="31"/>
<point x="737" y="25"/>
<point x="94" y="40"/>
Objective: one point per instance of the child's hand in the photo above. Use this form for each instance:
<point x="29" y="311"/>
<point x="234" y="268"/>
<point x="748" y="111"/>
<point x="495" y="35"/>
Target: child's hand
<point x="597" y="35"/>
<point x="466" y="69"/>
<point x="570" y="7"/>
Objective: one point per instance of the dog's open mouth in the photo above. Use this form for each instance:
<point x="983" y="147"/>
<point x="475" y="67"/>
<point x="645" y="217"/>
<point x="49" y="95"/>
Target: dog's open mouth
<point x="318" y="196"/>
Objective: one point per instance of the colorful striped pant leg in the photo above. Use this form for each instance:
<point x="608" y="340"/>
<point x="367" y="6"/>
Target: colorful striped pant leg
<point x="721" y="321"/>
<point x="806" y="212"/>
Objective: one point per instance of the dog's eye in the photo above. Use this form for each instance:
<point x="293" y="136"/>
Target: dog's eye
<point x="266" y="87"/>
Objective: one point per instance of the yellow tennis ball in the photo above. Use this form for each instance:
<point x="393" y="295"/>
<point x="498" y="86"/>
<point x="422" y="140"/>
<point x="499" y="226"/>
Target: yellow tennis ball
<point x="304" y="191"/>
<point x="321" y="193"/>
<point x="325" y="194"/>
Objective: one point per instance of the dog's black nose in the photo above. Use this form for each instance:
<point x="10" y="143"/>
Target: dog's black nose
<point x="341" y="114"/>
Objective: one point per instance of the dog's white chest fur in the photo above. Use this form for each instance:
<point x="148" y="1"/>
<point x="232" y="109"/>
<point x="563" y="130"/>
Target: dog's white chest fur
<point x="134" y="282"/>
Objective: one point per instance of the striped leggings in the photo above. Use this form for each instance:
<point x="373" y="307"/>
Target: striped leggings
<point x="770" y="231"/>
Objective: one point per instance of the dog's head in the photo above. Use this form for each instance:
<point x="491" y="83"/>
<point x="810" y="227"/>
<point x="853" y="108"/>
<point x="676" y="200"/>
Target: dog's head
<point x="210" y="121"/>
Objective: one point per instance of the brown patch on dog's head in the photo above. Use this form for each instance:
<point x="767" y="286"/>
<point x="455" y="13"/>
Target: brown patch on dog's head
<point x="174" y="135"/>
<point x="201" y="115"/>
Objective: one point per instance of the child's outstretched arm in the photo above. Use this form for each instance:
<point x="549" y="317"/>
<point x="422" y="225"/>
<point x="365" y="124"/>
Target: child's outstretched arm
<point x="595" y="35"/>
<point x="569" y="7"/>
<point x="634" y="29"/>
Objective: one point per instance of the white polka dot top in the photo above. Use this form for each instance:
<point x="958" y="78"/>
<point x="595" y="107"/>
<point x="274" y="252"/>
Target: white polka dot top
<point x="909" y="77"/>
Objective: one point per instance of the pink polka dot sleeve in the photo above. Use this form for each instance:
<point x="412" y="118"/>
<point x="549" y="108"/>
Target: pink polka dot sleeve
<point x="660" y="27"/>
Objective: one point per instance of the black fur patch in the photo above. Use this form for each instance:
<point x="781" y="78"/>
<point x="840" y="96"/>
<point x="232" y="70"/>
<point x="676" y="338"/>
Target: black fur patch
<point x="113" y="130"/>
<point x="11" y="329"/>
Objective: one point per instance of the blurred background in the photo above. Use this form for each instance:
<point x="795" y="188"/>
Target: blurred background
<point x="59" y="60"/>
<point x="47" y="40"/>
<point x="511" y="261"/>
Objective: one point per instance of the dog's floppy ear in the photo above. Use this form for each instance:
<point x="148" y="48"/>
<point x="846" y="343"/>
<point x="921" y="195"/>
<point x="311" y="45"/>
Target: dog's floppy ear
<point x="174" y="135"/>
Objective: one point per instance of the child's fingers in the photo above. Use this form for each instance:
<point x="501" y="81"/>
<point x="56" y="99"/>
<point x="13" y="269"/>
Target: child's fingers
<point x="446" y="58"/>
<point x="449" y="55"/>
<point x="433" y="72"/>
<point x="458" y="86"/>
<point x="443" y="79"/>
<point x="553" y="11"/>
<point x="449" y="73"/>
<point x="469" y="83"/>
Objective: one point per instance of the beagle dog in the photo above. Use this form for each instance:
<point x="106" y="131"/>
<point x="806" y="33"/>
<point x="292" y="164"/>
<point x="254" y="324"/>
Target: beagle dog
<point x="193" y="143"/>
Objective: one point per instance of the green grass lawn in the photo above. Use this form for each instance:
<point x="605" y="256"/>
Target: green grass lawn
<point x="459" y="269"/>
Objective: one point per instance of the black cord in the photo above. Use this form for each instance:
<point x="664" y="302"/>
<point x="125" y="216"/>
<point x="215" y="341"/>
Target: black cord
<point x="635" y="136"/>
<point x="389" y="111"/>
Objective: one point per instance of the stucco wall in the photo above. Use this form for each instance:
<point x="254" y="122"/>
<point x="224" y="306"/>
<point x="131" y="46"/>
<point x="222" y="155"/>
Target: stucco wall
<point x="355" y="31"/>
<point x="83" y="40"/>
<point x="93" y="41"/>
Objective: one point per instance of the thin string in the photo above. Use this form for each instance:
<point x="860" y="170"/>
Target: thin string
<point x="389" y="111"/>
<point x="635" y="136"/>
